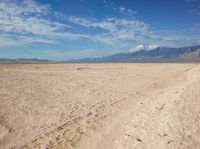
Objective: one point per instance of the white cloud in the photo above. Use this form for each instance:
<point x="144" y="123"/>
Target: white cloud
<point x="114" y="31"/>
<point x="126" y="11"/>
<point x="106" y="24"/>
<point x="120" y="9"/>
<point x="137" y="48"/>
<point x="15" y="40"/>
<point x="153" y="46"/>
<point x="142" y="47"/>
<point x="124" y="33"/>
<point x="27" y="21"/>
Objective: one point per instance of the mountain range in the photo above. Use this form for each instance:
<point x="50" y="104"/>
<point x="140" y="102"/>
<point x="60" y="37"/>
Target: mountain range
<point x="160" y="54"/>
<point x="22" y="60"/>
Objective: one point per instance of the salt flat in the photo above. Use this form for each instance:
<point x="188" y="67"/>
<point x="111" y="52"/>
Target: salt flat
<point x="95" y="106"/>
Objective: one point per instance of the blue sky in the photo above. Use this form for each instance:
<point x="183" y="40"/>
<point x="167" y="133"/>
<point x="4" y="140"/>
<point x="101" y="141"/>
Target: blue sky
<point x="68" y="29"/>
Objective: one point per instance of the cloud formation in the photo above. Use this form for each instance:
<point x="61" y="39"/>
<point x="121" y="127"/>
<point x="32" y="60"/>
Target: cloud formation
<point x="153" y="46"/>
<point x="137" y="48"/>
<point x="127" y="11"/>
<point x="126" y="33"/>
<point x="142" y="47"/>
<point x="26" y="21"/>
<point x="115" y="31"/>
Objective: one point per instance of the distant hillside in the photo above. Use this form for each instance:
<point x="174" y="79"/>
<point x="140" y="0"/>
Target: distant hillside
<point x="161" y="54"/>
<point x="5" y="60"/>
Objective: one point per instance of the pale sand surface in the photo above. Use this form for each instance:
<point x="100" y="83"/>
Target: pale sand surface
<point x="100" y="106"/>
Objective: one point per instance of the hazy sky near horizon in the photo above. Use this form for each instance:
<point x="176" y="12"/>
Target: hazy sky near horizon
<point x="67" y="29"/>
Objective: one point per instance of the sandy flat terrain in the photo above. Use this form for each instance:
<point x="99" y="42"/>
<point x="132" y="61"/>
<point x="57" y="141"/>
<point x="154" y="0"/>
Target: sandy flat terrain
<point x="100" y="106"/>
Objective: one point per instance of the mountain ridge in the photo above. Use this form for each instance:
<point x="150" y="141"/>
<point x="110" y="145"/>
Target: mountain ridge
<point x="160" y="54"/>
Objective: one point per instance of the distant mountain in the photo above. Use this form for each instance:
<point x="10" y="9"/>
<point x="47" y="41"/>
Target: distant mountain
<point x="161" y="54"/>
<point x="6" y="60"/>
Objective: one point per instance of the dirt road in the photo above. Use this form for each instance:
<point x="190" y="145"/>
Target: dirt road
<point x="95" y="106"/>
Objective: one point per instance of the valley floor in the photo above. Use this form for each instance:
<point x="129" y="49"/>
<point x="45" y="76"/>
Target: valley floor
<point x="95" y="106"/>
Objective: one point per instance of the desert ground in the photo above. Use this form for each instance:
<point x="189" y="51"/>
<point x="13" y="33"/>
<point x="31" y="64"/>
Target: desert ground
<point x="100" y="106"/>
